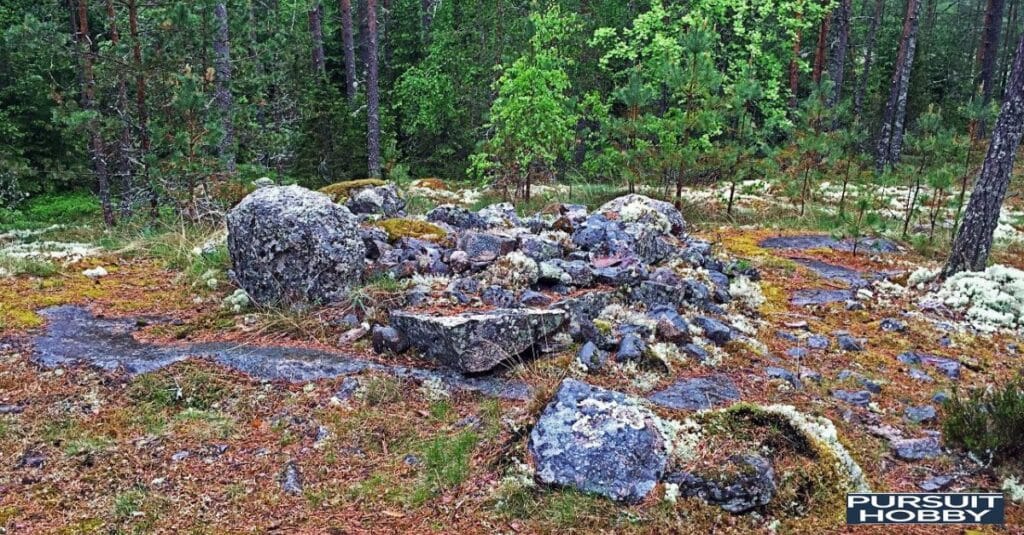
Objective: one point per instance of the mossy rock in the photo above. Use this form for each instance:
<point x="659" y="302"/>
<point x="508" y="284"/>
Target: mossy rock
<point x="430" y="183"/>
<point x="398" y="228"/>
<point x="339" y="191"/>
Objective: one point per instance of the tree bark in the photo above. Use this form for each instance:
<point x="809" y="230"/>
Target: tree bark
<point x="372" y="92"/>
<point x="890" y="139"/>
<point x="348" y="44"/>
<point x="837" y="65"/>
<point x="222" y="90"/>
<point x="316" y="33"/>
<point x="1011" y="38"/>
<point x="96" y="146"/>
<point x="987" y="52"/>
<point x="820" y="49"/>
<point x="123" y="148"/>
<point x="794" y="72"/>
<point x="974" y="240"/>
<point x="869" y="57"/>
<point x="140" y="104"/>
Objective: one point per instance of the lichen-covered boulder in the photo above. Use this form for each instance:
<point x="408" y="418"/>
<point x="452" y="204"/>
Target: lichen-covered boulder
<point x="477" y="342"/>
<point x="382" y="200"/>
<point x="634" y="208"/>
<point x="294" y="247"/>
<point x="599" y="441"/>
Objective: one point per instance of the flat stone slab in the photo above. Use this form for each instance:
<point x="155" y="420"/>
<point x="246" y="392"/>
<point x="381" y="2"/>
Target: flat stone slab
<point x="834" y="272"/>
<point x="73" y="335"/>
<point x="820" y="297"/>
<point x="600" y="441"/>
<point x="478" y="342"/>
<point x="820" y="241"/>
<point x="697" y="393"/>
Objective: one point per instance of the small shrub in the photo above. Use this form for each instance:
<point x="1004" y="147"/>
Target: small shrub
<point x="193" y="389"/>
<point x="61" y="208"/>
<point x="987" y="423"/>
<point x="28" y="266"/>
<point x="446" y="460"/>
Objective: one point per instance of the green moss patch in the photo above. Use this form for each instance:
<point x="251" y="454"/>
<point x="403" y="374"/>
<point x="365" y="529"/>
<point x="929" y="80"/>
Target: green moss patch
<point x="339" y="191"/>
<point x="398" y="228"/>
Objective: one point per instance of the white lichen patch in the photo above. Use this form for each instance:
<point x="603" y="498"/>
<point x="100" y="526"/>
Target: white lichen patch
<point x="434" y="389"/>
<point x="605" y="418"/>
<point x="237" y="301"/>
<point x="921" y="277"/>
<point x="1014" y="489"/>
<point x="992" y="300"/>
<point x="822" y="431"/>
<point x="67" y="252"/>
<point x="667" y="354"/>
<point x="746" y="292"/>
<point x="641" y="212"/>
<point x="514" y="270"/>
<point x="616" y="314"/>
<point x="682" y="438"/>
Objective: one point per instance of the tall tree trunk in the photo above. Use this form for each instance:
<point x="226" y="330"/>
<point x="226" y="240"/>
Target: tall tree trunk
<point x="869" y="57"/>
<point x="974" y="240"/>
<point x="372" y="92"/>
<point x="427" y="7"/>
<point x="820" y="50"/>
<point x="121" y="105"/>
<point x="96" y="146"/>
<point x="316" y="33"/>
<point x="794" y="72"/>
<point x="837" y="65"/>
<point x="890" y="139"/>
<point x="987" y="52"/>
<point x="143" y="110"/>
<point x="222" y="91"/>
<point x="1011" y="38"/>
<point x="348" y="44"/>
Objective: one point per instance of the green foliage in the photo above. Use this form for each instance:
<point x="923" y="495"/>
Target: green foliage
<point x="533" y="116"/>
<point x="987" y="422"/>
<point x="446" y="463"/>
<point x="61" y="208"/>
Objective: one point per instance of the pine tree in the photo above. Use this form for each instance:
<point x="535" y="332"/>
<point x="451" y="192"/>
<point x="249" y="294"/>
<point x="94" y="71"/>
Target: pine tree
<point x="974" y="239"/>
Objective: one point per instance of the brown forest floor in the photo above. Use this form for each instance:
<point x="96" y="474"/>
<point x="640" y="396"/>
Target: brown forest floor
<point x="98" y="452"/>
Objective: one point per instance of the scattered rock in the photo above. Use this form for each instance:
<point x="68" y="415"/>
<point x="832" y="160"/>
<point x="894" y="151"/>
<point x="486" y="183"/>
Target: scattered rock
<point x="631" y="348"/>
<point x="383" y="200"/>
<point x="599" y="441"/>
<point x="749" y="483"/>
<point x="95" y="273"/>
<point x="861" y="398"/>
<point x="936" y="483"/>
<point x="916" y="449"/>
<point x="697" y="393"/>
<point x="291" y="479"/>
<point x="591" y="357"/>
<point x="847" y="342"/>
<point x="714" y="330"/>
<point x="784" y="374"/>
<point x="387" y="339"/>
<point x="893" y="325"/>
<point x="531" y="298"/>
<point x="921" y="414"/>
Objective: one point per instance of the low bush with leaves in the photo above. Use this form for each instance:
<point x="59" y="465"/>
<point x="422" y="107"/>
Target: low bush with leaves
<point x="987" y="422"/>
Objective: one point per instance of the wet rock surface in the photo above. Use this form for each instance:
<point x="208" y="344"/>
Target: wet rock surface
<point x="697" y="393"/>
<point x="819" y="241"/>
<point x="598" y="441"/>
<point x="73" y="335"/>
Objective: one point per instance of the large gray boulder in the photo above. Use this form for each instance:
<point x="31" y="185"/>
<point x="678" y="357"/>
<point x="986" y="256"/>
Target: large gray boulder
<point x="635" y="208"/>
<point x="599" y="441"/>
<point x="294" y="247"/>
<point x="477" y="342"/>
